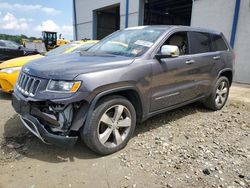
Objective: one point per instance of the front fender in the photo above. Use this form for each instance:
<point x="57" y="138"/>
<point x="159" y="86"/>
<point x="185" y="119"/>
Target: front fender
<point x="84" y="114"/>
<point x="102" y="94"/>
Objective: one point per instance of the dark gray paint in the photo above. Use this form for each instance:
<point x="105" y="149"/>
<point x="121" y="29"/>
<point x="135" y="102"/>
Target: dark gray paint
<point x="160" y="85"/>
<point x="149" y="77"/>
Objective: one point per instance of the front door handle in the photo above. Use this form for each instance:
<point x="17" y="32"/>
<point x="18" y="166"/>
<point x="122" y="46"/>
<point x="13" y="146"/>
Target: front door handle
<point x="216" y="57"/>
<point x="190" y="61"/>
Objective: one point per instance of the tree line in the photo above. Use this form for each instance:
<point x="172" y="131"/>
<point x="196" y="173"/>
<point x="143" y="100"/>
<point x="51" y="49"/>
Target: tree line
<point x="17" y="38"/>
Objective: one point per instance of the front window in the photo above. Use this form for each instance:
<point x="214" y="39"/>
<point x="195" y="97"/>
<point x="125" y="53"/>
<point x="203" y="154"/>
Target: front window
<point x="131" y="42"/>
<point x="180" y="40"/>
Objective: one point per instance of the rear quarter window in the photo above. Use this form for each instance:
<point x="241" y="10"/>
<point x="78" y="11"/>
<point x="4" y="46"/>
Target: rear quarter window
<point x="218" y="43"/>
<point x="199" y="42"/>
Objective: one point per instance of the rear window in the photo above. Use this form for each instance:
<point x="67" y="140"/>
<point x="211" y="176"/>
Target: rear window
<point x="218" y="43"/>
<point x="12" y="45"/>
<point x="199" y="42"/>
<point x="2" y="44"/>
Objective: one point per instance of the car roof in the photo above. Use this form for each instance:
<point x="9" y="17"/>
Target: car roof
<point x="180" y="27"/>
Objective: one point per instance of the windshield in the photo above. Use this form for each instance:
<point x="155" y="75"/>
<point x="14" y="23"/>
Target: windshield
<point x="131" y="42"/>
<point x="84" y="47"/>
<point x="61" y="49"/>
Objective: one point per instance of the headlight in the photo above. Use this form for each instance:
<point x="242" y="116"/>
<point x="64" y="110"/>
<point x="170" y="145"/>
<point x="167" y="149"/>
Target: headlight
<point x="11" y="70"/>
<point x="63" y="86"/>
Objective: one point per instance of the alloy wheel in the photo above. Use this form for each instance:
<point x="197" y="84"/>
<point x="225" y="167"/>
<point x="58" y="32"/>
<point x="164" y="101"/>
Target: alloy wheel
<point x="221" y="94"/>
<point x="114" y="126"/>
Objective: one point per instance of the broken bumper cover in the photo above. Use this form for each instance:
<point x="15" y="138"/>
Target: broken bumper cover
<point x="23" y="108"/>
<point x="7" y="81"/>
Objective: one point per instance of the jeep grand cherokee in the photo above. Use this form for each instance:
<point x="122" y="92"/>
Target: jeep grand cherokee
<point x="129" y="76"/>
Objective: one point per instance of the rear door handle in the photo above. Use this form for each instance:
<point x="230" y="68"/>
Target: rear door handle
<point x="216" y="57"/>
<point x="190" y="61"/>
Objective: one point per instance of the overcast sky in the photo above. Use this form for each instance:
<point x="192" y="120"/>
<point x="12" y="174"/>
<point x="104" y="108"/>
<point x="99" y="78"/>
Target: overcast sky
<point x="30" y="17"/>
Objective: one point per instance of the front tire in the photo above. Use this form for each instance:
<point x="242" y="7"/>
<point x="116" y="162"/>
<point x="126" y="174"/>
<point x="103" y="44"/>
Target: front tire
<point x="111" y="125"/>
<point x="219" y="95"/>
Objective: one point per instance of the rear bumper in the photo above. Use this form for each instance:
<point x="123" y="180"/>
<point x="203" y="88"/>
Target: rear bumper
<point x="39" y="130"/>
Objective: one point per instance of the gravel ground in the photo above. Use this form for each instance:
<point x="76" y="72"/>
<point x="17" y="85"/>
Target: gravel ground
<point x="187" y="147"/>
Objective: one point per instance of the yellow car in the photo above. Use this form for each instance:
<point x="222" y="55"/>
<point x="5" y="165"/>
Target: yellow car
<point x="9" y="70"/>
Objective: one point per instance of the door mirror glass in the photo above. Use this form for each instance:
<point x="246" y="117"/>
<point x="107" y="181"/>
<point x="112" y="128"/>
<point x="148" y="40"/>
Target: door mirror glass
<point x="168" y="51"/>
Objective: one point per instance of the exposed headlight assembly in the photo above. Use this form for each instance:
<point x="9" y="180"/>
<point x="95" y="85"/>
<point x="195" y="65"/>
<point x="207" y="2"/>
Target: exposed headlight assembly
<point x="11" y="70"/>
<point x="63" y="86"/>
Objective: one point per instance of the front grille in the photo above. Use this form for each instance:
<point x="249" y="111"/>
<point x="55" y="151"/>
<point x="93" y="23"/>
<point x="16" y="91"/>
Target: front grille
<point x="27" y="85"/>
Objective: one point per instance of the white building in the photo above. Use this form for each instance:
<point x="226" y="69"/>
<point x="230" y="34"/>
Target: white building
<point x="94" y="19"/>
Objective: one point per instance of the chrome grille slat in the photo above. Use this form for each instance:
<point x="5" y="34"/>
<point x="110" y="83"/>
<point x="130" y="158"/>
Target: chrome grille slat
<point x="34" y="89"/>
<point x="21" y="79"/>
<point x="24" y="78"/>
<point x="27" y="85"/>
<point x="30" y="84"/>
<point x="25" y="81"/>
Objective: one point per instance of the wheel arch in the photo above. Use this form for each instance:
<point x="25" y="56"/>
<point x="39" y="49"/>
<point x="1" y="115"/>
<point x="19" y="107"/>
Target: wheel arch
<point x="227" y="73"/>
<point x="129" y="92"/>
<point x="132" y="96"/>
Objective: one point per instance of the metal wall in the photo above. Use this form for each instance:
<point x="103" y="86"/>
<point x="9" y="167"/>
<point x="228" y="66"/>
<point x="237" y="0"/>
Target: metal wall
<point x="242" y="44"/>
<point x="218" y="15"/>
<point x="85" y="17"/>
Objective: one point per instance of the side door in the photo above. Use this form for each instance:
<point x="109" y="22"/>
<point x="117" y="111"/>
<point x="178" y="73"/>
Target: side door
<point x="173" y="78"/>
<point x="3" y="56"/>
<point x="204" y="59"/>
<point x="13" y="50"/>
<point x="223" y="56"/>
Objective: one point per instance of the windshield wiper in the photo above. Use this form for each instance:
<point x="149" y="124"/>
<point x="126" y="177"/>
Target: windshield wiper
<point x="96" y="53"/>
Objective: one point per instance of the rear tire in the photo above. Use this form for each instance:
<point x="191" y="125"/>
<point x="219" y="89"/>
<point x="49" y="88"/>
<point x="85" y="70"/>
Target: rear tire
<point x="219" y="95"/>
<point x="111" y="125"/>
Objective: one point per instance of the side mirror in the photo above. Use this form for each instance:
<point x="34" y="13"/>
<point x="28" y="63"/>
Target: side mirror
<point x="168" y="51"/>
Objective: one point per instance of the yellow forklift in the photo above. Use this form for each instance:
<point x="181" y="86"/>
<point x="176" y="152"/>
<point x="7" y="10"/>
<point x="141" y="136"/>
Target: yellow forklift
<point x="50" y="40"/>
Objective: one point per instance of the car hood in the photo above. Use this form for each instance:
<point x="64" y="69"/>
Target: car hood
<point x="68" y="66"/>
<point x="18" y="62"/>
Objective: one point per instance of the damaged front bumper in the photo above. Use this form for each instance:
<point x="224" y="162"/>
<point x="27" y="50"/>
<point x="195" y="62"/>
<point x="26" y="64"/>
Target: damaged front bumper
<point x="45" y="126"/>
<point x="34" y="126"/>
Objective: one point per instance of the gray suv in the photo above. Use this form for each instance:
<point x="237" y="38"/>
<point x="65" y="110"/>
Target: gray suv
<point x="128" y="77"/>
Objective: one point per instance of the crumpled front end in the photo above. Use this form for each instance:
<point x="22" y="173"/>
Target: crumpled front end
<point x="55" y="121"/>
